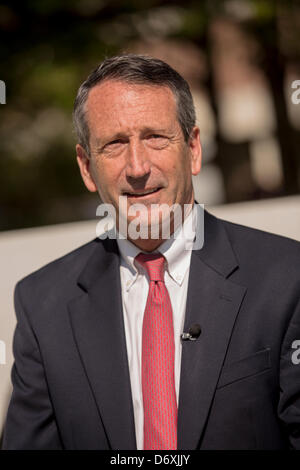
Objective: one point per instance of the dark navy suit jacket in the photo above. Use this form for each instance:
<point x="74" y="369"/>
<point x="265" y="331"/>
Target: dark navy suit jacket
<point x="239" y="383"/>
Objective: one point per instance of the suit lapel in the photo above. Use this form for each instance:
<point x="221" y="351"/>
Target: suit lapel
<point x="213" y="302"/>
<point x="97" y="322"/>
<point x="98" y="327"/>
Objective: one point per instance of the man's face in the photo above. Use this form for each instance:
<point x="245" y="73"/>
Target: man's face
<point x="137" y="146"/>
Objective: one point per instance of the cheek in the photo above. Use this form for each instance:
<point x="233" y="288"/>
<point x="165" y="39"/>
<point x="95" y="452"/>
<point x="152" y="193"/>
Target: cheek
<point x="179" y="170"/>
<point x="106" y="176"/>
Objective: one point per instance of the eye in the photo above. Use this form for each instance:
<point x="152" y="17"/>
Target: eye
<point x="112" y="145"/>
<point x="156" y="136"/>
<point x="157" y="141"/>
<point x="114" y="142"/>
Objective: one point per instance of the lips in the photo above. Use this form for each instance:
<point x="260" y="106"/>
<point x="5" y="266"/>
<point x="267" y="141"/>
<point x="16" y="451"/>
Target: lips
<point x="142" y="193"/>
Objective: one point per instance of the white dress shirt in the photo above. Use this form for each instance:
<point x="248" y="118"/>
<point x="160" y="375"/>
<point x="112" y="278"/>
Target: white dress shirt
<point x="135" y="286"/>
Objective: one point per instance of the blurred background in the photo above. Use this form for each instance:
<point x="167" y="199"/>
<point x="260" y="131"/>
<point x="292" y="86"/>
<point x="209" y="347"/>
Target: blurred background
<point x="240" y="58"/>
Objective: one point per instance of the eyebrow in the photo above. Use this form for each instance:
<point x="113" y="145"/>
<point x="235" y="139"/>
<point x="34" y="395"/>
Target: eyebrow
<point x="121" y="135"/>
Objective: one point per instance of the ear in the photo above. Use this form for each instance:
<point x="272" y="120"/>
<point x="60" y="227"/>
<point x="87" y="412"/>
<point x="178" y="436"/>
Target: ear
<point x="84" y="163"/>
<point x="195" y="149"/>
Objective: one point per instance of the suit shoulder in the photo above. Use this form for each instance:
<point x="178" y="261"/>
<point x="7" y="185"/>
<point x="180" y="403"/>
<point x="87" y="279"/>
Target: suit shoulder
<point x="264" y="246"/>
<point x="254" y="234"/>
<point x="59" y="271"/>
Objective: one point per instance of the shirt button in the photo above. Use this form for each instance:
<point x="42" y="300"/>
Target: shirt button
<point x="128" y="283"/>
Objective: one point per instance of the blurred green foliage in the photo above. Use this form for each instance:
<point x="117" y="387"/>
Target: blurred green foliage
<point x="47" y="47"/>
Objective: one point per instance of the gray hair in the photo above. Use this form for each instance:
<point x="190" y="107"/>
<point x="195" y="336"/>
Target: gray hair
<point x="135" y="69"/>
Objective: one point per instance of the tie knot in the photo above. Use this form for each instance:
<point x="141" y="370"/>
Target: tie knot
<point x="154" y="265"/>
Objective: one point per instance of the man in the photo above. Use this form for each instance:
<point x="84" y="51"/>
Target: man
<point x="100" y="362"/>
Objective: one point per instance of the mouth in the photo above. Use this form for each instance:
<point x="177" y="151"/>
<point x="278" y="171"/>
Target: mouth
<point x="145" y="193"/>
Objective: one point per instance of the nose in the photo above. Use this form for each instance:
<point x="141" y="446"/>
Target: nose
<point x="138" y="164"/>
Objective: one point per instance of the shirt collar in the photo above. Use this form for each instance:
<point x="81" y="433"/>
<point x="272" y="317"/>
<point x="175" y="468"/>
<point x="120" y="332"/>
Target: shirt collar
<point x="176" y="250"/>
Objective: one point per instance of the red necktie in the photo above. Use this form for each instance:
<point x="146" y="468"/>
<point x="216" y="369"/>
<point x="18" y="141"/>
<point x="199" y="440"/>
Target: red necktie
<point x="158" y="384"/>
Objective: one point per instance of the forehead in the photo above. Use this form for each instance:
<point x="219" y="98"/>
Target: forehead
<point x="121" y="106"/>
